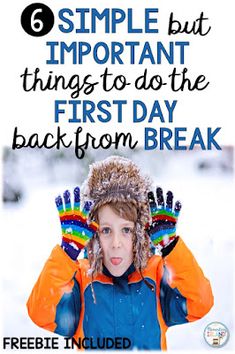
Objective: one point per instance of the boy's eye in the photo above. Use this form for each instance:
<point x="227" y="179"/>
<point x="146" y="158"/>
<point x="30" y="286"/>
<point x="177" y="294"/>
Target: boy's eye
<point x="127" y="230"/>
<point x="105" y="230"/>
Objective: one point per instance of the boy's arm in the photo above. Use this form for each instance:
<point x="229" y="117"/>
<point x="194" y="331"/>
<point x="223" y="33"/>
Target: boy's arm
<point x="185" y="293"/>
<point x="54" y="303"/>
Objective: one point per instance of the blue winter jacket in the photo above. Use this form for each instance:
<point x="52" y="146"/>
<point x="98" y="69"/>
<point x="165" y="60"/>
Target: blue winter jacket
<point x="126" y="307"/>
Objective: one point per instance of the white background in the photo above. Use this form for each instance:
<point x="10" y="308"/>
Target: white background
<point x="210" y="55"/>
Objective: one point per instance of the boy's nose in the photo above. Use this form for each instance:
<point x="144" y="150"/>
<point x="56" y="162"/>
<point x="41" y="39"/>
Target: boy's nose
<point x="116" y="240"/>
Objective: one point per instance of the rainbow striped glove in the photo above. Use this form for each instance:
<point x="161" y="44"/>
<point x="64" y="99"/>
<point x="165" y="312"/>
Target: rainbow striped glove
<point x="76" y="232"/>
<point x="162" y="231"/>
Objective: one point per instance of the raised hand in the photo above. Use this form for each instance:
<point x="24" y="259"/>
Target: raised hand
<point x="162" y="231"/>
<point x="76" y="232"/>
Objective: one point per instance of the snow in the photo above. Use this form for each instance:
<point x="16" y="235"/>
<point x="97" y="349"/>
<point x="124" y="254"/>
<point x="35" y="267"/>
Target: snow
<point x="31" y="229"/>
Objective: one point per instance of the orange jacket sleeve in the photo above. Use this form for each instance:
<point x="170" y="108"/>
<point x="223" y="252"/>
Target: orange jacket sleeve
<point x="185" y="293"/>
<point x="57" y="288"/>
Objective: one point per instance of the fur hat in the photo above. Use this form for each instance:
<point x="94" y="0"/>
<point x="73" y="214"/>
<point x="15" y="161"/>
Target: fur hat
<point x="118" y="179"/>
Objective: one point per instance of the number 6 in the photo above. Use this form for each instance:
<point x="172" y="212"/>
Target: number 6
<point x="36" y="21"/>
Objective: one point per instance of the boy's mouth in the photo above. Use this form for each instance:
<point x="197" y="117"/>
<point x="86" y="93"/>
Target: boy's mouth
<point x="116" y="260"/>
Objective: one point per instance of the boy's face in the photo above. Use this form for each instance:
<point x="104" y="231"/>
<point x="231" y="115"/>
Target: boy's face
<point x="116" y="236"/>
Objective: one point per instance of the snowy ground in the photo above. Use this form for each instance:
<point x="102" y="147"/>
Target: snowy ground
<point x="206" y="224"/>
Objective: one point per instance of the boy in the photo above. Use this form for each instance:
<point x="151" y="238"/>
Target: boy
<point x="122" y="290"/>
